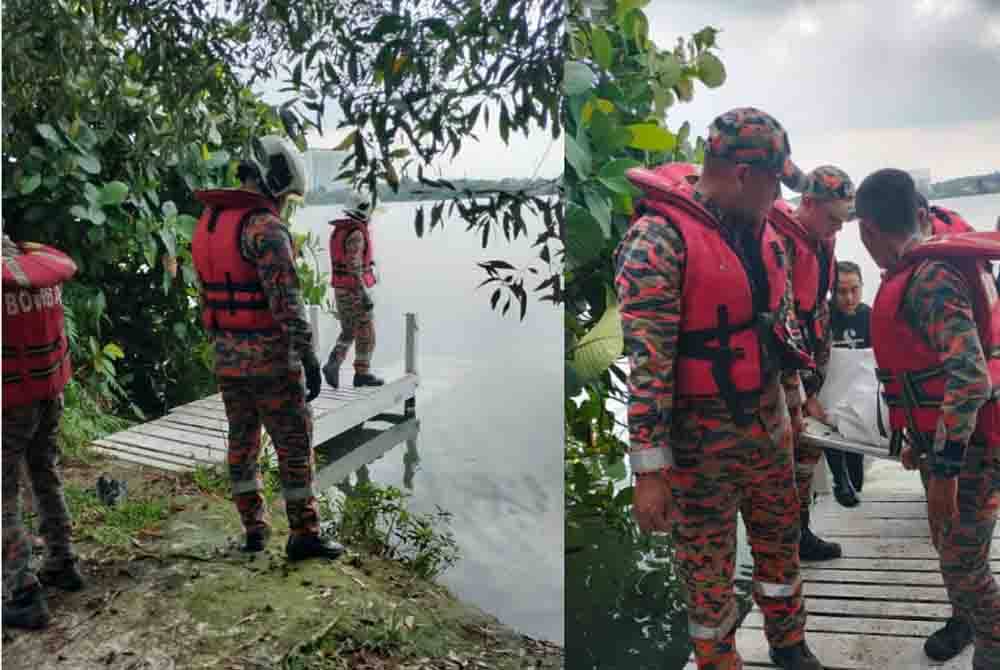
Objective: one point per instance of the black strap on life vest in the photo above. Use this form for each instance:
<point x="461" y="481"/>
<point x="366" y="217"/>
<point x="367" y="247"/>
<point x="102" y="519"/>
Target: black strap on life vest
<point x="695" y="344"/>
<point x="231" y="303"/>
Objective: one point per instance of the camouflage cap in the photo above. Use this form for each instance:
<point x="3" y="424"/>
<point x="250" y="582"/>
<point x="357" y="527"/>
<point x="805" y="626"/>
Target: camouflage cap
<point x="831" y="183"/>
<point x="748" y="135"/>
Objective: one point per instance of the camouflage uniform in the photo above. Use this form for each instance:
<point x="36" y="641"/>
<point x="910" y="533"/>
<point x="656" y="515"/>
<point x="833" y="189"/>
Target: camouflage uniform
<point x="357" y="323"/>
<point x="937" y="306"/>
<point x="30" y="437"/>
<point x="825" y="183"/>
<point x="717" y="467"/>
<point x="261" y="379"/>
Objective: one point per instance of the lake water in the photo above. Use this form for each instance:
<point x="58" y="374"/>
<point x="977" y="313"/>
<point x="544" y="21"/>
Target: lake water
<point x="622" y="605"/>
<point x="490" y="405"/>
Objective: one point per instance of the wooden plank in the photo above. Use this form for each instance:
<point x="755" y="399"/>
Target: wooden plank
<point x="185" y="438"/>
<point x="876" y="509"/>
<point x="871" y="577"/>
<point x="916" y="529"/>
<point x="855" y="547"/>
<point x="164" y="449"/>
<point x="385" y="398"/>
<point x="844" y="624"/>
<point x="894" y="592"/>
<point x="878" y="609"/>
<point x="195" y="423"/>
<point x="141" y="456"/>
<point x="188" y="410"/>
<point x="905" y="564"/>
<point x="855" y="652"/>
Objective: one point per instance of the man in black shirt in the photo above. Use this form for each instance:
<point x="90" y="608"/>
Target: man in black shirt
<point x="849" y="321"/>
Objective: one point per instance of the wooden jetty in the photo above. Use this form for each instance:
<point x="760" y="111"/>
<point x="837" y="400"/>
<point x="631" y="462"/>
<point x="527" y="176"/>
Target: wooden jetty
<point x="195" y="434"/>
<point x="873" y="608"/>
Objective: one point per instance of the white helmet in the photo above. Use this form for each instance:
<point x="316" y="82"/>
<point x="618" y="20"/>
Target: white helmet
<point x="282" y="168"/>
<point x="357" y="206"/>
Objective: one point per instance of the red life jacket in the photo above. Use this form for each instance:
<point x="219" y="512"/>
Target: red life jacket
<point x="945" y="221"/>
<point x="720" y="350"/>
<point x="902" y="355"/>
<point x="341" y="276"/>
<point x="808" y="287"/>
<point x="232" y="296"/>
<point x="36" y="363"/>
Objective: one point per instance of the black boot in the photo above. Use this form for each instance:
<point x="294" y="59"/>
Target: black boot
<point x="843" y="487"/>
<point x="856" y="468"/>
<point x="367" y="379"/>
<point x="301" y="547"/>
<point x="948" y="642"/>
<point x="811" y="548"/>
<point x="256" y="540"/>
<point x="27" y="609"/>
<point x="796" y="657"/>
<point x="331" y="372"/>
<point x="65" y="575"/>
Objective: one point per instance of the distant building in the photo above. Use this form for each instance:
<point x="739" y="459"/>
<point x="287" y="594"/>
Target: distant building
<point x="324" y="166"/>
<point x="922" y="177"/>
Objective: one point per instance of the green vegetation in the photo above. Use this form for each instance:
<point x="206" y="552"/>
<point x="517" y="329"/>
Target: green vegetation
<point x="974" y="185"/>
<point x="619" y="88"/>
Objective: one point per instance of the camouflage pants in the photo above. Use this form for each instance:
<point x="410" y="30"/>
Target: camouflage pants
<point x="721" y="470"/>
<point x="30" y="437"/>
<point x="357" y="327"/>
<point x="806" y="459"/>
<point x="964" y="548"/>
<point x="277" y="403"/>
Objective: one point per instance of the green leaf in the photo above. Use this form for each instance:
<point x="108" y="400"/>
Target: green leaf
<point x="619" y="185"/>
<point x="578" y="157"/>
<point x="711" y="71"/>
<point x="601" y="346"/>
<point x="650" y="137"/>
<point x="91" y="193"/>
<point x="577" y="78"/>
<point x="169" y="238"/>
<point x="79" y="211"/>
<point x="599" y="208"/>
<point x="113" y="351"/>
<point x="662" y="99"/>
<point x="617" y="168"/>
<point x="185" y="225"/>
<point x="607" y="135"/>
<point x="169" y="209"/>
<point x="584" y="239"/>
<point x="89" y="163"/>
<point x="616" y="471"/>
<point x="29" y="184"/>
<point x="668" y="69"/>
<point x="600" y="43"/>
<point x="113" y="193"/>
<point x="50" y="134"/>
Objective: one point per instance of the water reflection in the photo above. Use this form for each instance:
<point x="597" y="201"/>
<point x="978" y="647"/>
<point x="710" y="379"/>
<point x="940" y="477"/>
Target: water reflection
<point x="490" y="410"/>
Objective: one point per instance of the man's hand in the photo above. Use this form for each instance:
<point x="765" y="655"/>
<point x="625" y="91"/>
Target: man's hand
<point x="366" y="301"/>
<point x="314" y="381"/>
<point x="942" y="498"/>
<point x="651" y="502"/>
<point x="815" y="409"/>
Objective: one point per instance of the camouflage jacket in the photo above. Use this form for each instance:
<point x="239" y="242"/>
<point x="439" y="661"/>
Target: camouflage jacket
<point x="811" y="380"/>
<point x="937" y="306"/>
<point x="267" y="243"/>
<point x="649" y="271"/>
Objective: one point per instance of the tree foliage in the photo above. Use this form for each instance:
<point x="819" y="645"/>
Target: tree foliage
<point x="114" y="111"/>
<point x="619" y="87"/>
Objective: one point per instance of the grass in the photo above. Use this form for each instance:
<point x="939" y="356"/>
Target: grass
<point x="113" y="526"/>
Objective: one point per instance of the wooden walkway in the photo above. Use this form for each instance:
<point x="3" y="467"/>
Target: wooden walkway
<point x="873" y="608"/>
<point x="195" y="434"/>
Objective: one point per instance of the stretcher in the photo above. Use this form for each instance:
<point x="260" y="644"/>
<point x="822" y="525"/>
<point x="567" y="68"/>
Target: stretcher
<point x="818" y="434"/>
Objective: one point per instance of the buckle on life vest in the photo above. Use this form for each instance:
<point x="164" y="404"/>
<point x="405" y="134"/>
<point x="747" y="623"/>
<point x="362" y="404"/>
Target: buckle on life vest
<point x="694" y="344"/>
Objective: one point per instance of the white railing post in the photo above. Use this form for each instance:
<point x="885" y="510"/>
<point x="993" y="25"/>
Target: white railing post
<point x="412" y="330"/>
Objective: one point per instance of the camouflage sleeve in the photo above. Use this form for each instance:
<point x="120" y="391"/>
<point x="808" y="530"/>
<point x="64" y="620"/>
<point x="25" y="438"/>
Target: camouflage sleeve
<point x="937" y="306"/>
<point x="649" y="266"/>
<point x="267" y="242"/>
<point x="790" y="378"/>
<point x="826" y="346"/>
<point x="355" y="247"/>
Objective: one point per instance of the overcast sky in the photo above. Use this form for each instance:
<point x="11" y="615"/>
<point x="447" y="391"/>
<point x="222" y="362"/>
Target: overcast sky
<point x="861" y="85"/>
